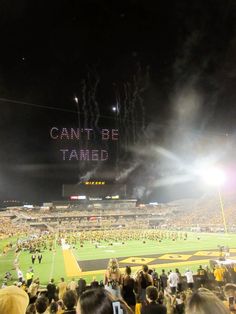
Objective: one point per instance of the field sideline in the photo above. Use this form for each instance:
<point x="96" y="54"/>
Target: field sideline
<point x="89" y="261"/>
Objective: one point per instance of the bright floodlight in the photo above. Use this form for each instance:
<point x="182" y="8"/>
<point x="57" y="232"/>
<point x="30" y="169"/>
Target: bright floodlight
<point x="114" y="109"/>
<point x="213" y="176"/>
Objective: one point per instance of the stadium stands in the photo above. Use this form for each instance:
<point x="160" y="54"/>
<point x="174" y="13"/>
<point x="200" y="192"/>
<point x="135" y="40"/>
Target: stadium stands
<point x="36" y="227"/>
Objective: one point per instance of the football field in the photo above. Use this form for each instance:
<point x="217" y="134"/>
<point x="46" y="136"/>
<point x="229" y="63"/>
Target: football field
<point x="91" y="260"/>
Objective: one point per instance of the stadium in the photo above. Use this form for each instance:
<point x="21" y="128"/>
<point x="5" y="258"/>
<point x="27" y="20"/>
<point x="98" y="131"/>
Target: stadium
<point x="78" y="236"/>
<point x="117" y="159"/>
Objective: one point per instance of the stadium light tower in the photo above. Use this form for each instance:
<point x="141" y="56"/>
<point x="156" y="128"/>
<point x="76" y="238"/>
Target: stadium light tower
<point x="216" y="177"/>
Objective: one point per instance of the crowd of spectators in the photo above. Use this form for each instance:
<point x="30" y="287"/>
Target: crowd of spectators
<point x="146" y="291"/>
<point x="165" y="216"/>
<point x="208" y="291"/>
<point x="194" y="215"/>
<point x="9" y="229"/>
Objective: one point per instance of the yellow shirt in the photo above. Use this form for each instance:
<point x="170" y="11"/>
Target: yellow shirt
<point x="62" y="286"/>
<point x="138" y="307"/>
<point x="218" y="273"/>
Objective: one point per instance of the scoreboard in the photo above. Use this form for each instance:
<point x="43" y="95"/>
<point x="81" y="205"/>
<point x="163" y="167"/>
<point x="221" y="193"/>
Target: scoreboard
<point x="94" y="189"/>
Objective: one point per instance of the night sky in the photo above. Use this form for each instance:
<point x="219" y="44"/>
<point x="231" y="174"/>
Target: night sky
<point x="162" y="72"/>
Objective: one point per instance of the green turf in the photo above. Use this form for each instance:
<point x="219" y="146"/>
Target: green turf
<point x="53" y="264"/>
<point x="4" y="242"/>
<point x="137" y="248"/>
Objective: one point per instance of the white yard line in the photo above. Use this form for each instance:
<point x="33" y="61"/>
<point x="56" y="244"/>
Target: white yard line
<point x="80" y="270"/>
<point x="53" y="264"/>
<point x="53" y="260"/>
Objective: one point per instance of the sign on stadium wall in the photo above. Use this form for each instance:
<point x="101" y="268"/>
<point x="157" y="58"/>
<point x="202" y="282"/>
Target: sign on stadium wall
<point x="108" y="190"/>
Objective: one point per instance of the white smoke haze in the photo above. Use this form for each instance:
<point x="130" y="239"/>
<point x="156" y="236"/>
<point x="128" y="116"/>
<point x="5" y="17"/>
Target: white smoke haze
<point x="167" y="154"/>
<point x="184" y="145"/>
<point x="88" y="175"/>
<point x="124" y="174"/>
<point x="187" y="106"/>
<point x="167" y="151"/>
<point x="139" y="191"/>
<point x="172" y="180"/>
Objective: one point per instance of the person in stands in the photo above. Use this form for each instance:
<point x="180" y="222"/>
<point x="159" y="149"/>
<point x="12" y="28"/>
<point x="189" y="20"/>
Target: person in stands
<point x="41" y="305"/>
<point x="201" y="276"/>
<point x="100" y="301"/>
<point x="173" y="279"/>
<point x="72" y="285"/>
<point x="189" y="278"/>
<point x="81" y="286"/>
<point x="230" y="294"/>
<point x="153" y="307"/>
<point x="219" y="275"/>
<point x="69" y="300"/>
<point x="33" y="290"/>
<point x="95" y="284"/>
<point x="113" y="277"/>
<point x="62" y="286"/>
<point x="13" y="300"/>
<point x="163" y="280"/>
<point x="144" y="280"/>
<point x="51" y="290"/>
<point x="203" y="301"/>
<point x="31" y="309"/>
<point x="128" y="285"/>
<point x="53" y="308"/>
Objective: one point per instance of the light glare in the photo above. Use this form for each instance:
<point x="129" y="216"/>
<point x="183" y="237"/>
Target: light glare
<point x="213" y="176"/>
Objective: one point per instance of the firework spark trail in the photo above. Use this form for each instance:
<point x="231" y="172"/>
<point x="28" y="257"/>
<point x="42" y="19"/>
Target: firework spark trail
<point x="119" y="114"/>
<point x="89" y="101"/>
<point x="131" y="103"/>
<point x="141" y="101"/>
<point x="130" y="115"/>
<point x="143" y="126"/>
<point x="96" y="105"/>
<point x="127" y="120"/>
<point x="91" y="111"/>
<point x="78" y="143"/>
<point x="133" y="108"/>
<point x="126" y="116"/>
<point x="84" y="103"/>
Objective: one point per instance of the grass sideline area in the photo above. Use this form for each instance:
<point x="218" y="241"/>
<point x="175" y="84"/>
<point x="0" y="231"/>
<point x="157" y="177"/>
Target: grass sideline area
<point x="91" y="260"/>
